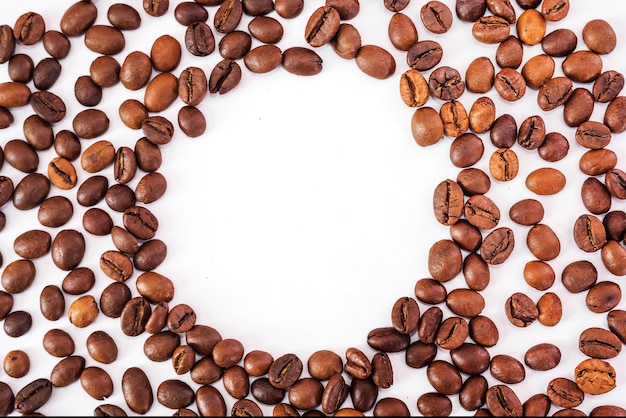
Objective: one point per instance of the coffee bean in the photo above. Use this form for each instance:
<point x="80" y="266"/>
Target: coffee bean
<point x="134" y="314"/>
<point x="51" y="302"/>
<point x="401" y="31"/>
<point x="545" y="181"/>
<point x="58" y="343"/>
<point x="542" y="356"/>
<point x="78" y="281"/>
<point x="430" y="291"/>
<point x="302" y="61"/>
<point x="46" y="73"/>
<point x="150" y="187"/>
<point x="160" y="346"/>
<point x="607" y="410"/>
<point x="483" y="331"/>
<point x="108" y="410"/>
<point x="589" y="233"/>
<point x="7" y="43"/>
<point x="78" y="17"/>
<point x="105" y="71"/>
<point x="599" y="343"/>
<point x="124" y="165"/>
<point x="582" y="66"/>
<point x="29" y="28"/>
<point x="14" y="94"/>
<point x="481" y="212"/>
<point x="466" y="235"/>
<point x="191" y="121"/>
<point x="482" y="114"/>
<point x="465" y="302"/>
<point x="62" y="173"/>
<point x="603" y="296"/>
<point x="87" y="92"/>
<point x="599" y="36"/>
<point x="607" y="86"/>
<point x="165" y="53"/>
<point x="490" y="29"/>
<point x="21" y="155"/>
<point x="104" y="39"/>
<point x="520" y="310"/>
<point x="123" y="16"/>
<point x="531" y="27"/>
<point x="17" y="323"/>
<point x="550" y="309"/>
<point x="67" y="371"/>
<point x="83" y="311"/>
<point x="424" y="55"/>
<point x="90" y="123"/>
<point x="285" y="371"/>
<point x="502" y="400"/>
<point x="497" y="246"/>
<point x="539" y="274"/>
<point x="96" y="382"/>
<point x="405" y="315"/>
<point x="554" y="93"/>
<point x="479" y="76"/>
<point x="48" y="106"/>
<point x="426" y="126"/>
<point x="258" y="8"/>
<point x="116" y="265"/>
<point x="322" y="26"/>
<point x="429" y="324"/>
<point x="595" y="376"/>
<point x="507" y="369"/>
<point x="120" y="197"/>
<point x="155" y="287"/>
<point x="613" y="255"/>
<point x="510" y="84"/>
<point x="189" y="12"/>
<point x="263" y="58"/>
<point x="97" y="156"/>
<point x="436" y="17"/>
<point x="565" y="393"/>
<point x="135" y="71"/>
<point x="579" y="107"/>
<point x="199" y="39"/>
<point x="510" y="52"/>
<point x="161" y="92"/>
<point x="444" y="260"/>
<point x="476" y="272"/>
<point x="452" y="332"/>
<point x="595" y="196"/>
<point x="445" y="83"/>
<point x="539" y="70"/>
<point x="228" y="16"/>
<point x="33" y="396"/>
<point x="140" y="222"/>
<point x="16" y="363"/>
<point x="156" y="8"/>
<point x="237" y="384"/>
<point x="543" y="242"/>
<point x="614" y="115"/>
<point x="434" y="404"/>
<point x="554" y="147"/>
<point x="419" y="354"/>
<point x="18" y="276"/>
<point x="226" y="75"/>
<point x="470" y="358"/>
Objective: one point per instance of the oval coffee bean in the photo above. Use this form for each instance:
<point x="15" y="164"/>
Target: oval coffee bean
<point x="542" y="356"/>
<point x="301" y="61"/>
<point x="137" y="390"/>
<point x="33" y="396"/>
<point x="322" y="26"/>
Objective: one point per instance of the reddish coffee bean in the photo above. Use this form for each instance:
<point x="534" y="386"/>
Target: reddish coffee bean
<point x="419" y="354"/>
<point x="51" y="303"/>
<point x="137" y="390"/>
<point x="599" y="36"/>
<point x="542" y="356"/>
<point x="430" y="291"/>
<point x="444" y="377"/>
<point x="520" y="310"/>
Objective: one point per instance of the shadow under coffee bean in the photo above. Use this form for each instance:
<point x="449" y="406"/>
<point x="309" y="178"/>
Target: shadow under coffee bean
<point x="294" y="221"/>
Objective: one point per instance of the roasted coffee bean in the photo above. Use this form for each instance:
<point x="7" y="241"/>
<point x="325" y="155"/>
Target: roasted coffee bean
<point x="237" y="384"/>
<point x="134" y="315"/>
<point x="542" y="356"/>
<point x="104" y="39"/>
<point x="482" y="115"/>
<point x="228" y="16"/>
<point x="599" y="36"/>
<point x="51" y="302"/>
<point x="382" y="371"/>
<point x="607" y="410"/>
<point x="615" y="180"/>
<point x="189" y="12"/>
<point x="539" y="274"/>
<point x="429" y="324"/>
<point x="448" y="202"/>
<point x="33" y="396"/>
<point x="116" y="265"/>
<point x="113" y="299"/>
<point x="436" y="17"/>
<point x="615" y="224"/>
<point x="554" y="93"/>
<point x="589" y="233"/>
<point x="502" y="8"/>
<point x="21" y="155"/>
<point x="375" y="61"/>
<point x="537" y="71"/>
<point x="466" y="235"/>
<point x="90" y="123"/>
<point x="424" y="55"/>
<point x="18" y="276"/>
<point x="265" y="393"/>
<point x="565" y="393"/>
<point x="322" y="364"/>
<point x="108" y="410"/>
<point x="160" y="346"/>
<point x="29" y="28"/>
<point x="14" y="94"/>
<point x="465" y="302"/>
<point x="419" y="354"/>
<point x="582" y="66"/>
<point x="510" y="52"/>
<point x="363" y="393"/>
<point x="87" y="92"/>
<point x="520" y="310"/>
<point x="58" y="343"/>
<point x="322" y="26"/>
<point x="357" y="364"/>
<point x="158" y="319"/>
<point x="124" y="165"/>
<point x="156" y="8"/>
<point x="531" y="27"/>
<point x="165" y="53"/>
<point x="490" y="29"/>
<point x="481" y="212"/>
<point x="306" y="393"/>
<point x="444" y="377"/>
<point x="470" y="358"/>
<point x="595" y="376"/>
<point x="123" y="16"/>
<point x="595" y="196"/>
<point x="31" y="191"/>
<point x="445" y="83"/>
<point x="7" y="43"/>
<point x="78" y="18"/>
<point x="473" y="181"/>
<point x="426" y="126"/>
<point x="502" y="400"/>
<point x="191" y="121"/>
<point x="434" y="404"/>
<point x="257" y="7"/>
<point x="132" y="113"/>
<point x="17" y="323"/>
<point x="472" y="393"/>
<point x="266" y="29"/>
<point x="97" y="156"/>
<point x="258" y="362"/>
<point x="182" y="318"/>
<point x="405" y="315"/>
<point x="550" y="309"/>
<point x="401" y="31"/>
<point x="83" y="311"/>
<point x="543" y="242"/>
<point x="545" y="181"/>
<point x="483" y="331"/>
<point x="444" y="260"/>
<point x="603" y="296"/>
<point x="430" y="291"/>
<point x="614" y="115"/>
<point x="613" y="255"/>
<point x="62" y="173"/>
<point x="510" y="84"/>
<point x="67" y="371"/>
<point x="135" y="71"/>
<point x="210" y="401"/>
<point x="288" y="9"/>
<point x="497" y="246"/>
<point x="120" y="197"/>
<point x="285" y="371"/>
<point x="49" y="107"/>
<point x="38" y="132"/>
<point x="150" y="187"/>
<point x="527" y="212"/>
<point x="174" y="394"/>
<point x="155" y="287"/>
<point x="479" y="76"/>
<point x="579" y="276"/>
<point x="199" y="39"/>
<point x="555" y="147"/>
<point x="387" y="339"/>
<point x="347" y="9"/>
<point x="183" y="359"/>
<point x="579" y="107"/>
<point x="46" y="73"/>
<point x="507" y="369"/>
<point x="6" y="190"/>
<point x="92" y="190"/>
<point x="20" y="68"/>
<point x="452" y="332"/>
<point x="235" y="45"/>
<point x="263" y="59"/>
<point x="466" y="149"/>
<point x="78" y="281"/>
<point x="389" y="406"/>
<point x="302" y="61"/>
<point x="599" y="343"/>
<point x="140" y="221"/>
<point x="161" y="92"/>
<point x="124" y="240"/>
<point x="616" y="320"/>
<point x="96" y="382"/>
<point x="226" y="75"/>
<point x="16" y="363"/>
<point x="476" y="272"/>
<point x="607" y="86"/>
<point x="105" y="71"/>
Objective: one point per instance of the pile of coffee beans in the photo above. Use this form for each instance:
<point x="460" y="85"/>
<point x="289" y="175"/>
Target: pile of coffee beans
<point x="448" y="332"/>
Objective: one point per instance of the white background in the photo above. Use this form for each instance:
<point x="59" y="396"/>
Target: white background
<point x="305" y="211"/>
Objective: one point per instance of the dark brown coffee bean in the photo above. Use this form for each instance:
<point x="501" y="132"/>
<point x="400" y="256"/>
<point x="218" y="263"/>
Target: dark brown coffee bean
<point x="31" y="191"/>
<point x="161" y="92"/>
<point x="444" y="260"/>
<point x="424" y="55"/>
<point x="607" y="86"/>
<point x="78" y="281"/>
<point x="466" y="149"/>
<point x="470" y="10"/>
<point x="401" y="31"/>
<point x="105" y="71"/>
<point x="445" y="83"/>
<point x="92" y="190"/>
<point x="199" y="39"/>
<point x="263" y="58"/>
<point x="113" y="299"/>
<point x="483" y="331"/>
<point x="436" y="17"/>
<point x="33" y="396"/>
<point x="322" y="364"/>
<point x="490" y="29"/>
<point x="6" y="189"/>
<point x="599" y="36"/>
<point x="46" y="73"/>
<point x="285" y="371"/>
<point x="116" y="265"/>
<point x="29" y="28"/>
<point x="595" y="376"/>
<point x="589" y="233"/>
<point x="615" y="224"/>
<point x="155" y="287"/>
<point x="419" y="354"/>
<point x="266" y="29"/>
<point x="224" y="77"/>
<point x="322" y="26"/>
<point x="20" y="68"/>
<point x="78" y="17"/>
<point x="444" y="377"/>
<point x="472" y="393"/>
<point x="579" y="276"/>
<point x="67" y="371"/>
<point x="613" y="255"/>
<point x="476" y="272"/>
<point x="481" y="212"/>
<point x="156" y="8"/>
<point x="237" y="384"/>
<point x="510" y="84"/>
<point x="615" y="180"/>
<point x="50" y="108"/>
<point x="160" y="346"/>
<point x="543" y="242"/>
<point x="565" y="393"/>
<point x="90" y="123"/>
<point x="473" y="181"/>
<point x="288" y="9"/>
<point x="603" y="296"/>
<point x="21" y="155"/>
<point x="18" y="275"/>
<point x="17" y="323"/>
<point x="554" y="93"/>
<point x="527" y="212"/>
<point x="140" y="222"/>
<point x="502" y="400"/>
<point x="405" y="315"/>
<point x="470" y="358"/>
<point x="137" y="390"/>
<point x="510" y="52"/>
<point x="104" y="39"/>
<point x="87" y="92"/>
<point x="120" y="197"/>
<point x="265" y="393"/>
<point x="101" y="347"/>
<point x="452" y="333"/>
<point x="189" y="12"/>
<point x="607" y="410"/>
<point x="123" y="16"/>
<point x="582" y="66"/>
<point x="7" y="43"/>
<point x="614" y="115"/>
<point x="302" y="61"/>
<point x="448" y="202"/>
<point x="497" y="246"/>
<point x="32" y="244"/>
<point x="134" y="314"/>
<point x="520" y="310"/>
<point x="466" y="235"/>
<point x="135" y="71"/>
<point x="191" y="121"/>
<point x="429" y="324"/>
<point x="391" y="407"/>
<point x="51" y="302"/>
<point x="96" y="382"/>
<point x="235" y="45"/>
<point x="150" y="187"/>
<point x="124" y="165"/>
<point x="554" y="147"/>
<point x="375" y="61"/>
<point x="595" y="196"/>
<point x="357" y="364"/>
<point x="58" y="343"/>
<point x="507" y="369"/>
<point x="434" y="404"/>
<point x="542" y="356"/>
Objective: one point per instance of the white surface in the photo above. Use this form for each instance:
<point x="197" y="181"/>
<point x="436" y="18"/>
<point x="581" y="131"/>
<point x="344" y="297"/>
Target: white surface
<point x="304" y="212"/>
